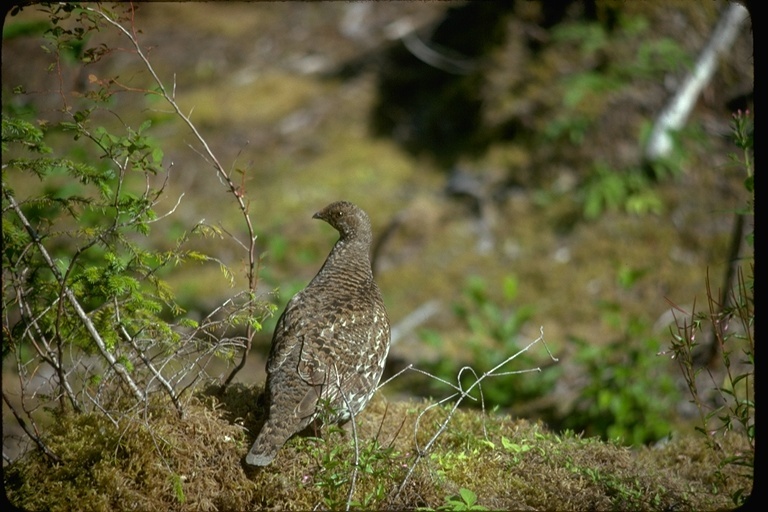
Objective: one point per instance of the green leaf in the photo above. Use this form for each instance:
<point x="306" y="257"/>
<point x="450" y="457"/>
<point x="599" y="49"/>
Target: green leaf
<point x="511" y="286"/>
<point x="469" y="497"/>
<point x="490" y="444"/>
<point x="157" y="155"/>
<point x="178" y="488"/>
<point x="197" y="256"/>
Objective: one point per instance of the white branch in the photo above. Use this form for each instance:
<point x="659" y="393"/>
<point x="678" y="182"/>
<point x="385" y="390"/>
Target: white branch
<point x="462" y="394"/>
<point x="676" y="113"/>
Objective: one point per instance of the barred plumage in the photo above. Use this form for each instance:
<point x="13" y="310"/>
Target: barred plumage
<point x="331" y="342"/>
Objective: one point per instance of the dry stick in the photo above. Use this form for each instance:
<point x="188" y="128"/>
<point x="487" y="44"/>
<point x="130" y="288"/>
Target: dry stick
<point x="45" y="352"/>
<point x="421" y="453"/>
<point x="435" y="377"/>
<point x="355" y="439"/>
<point x="119" y="368"/>
<point x="397" y="432"/>
<point x="97" y="404"/>
<point x="169" y="212"/>
<point x="744" y="311"/>
<point x="222" y="174"/>
<point x="23" y="424"/>
<point x="710" y="353"/>
<point x="205" y="330"/>
<point x="198" y="363"/>
<point x="148" y="363"/>
<point x="745" y="314"/>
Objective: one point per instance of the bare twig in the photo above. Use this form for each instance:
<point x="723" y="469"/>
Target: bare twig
<point x="356" y="462"/>
<point x="157" y="375"/>
<point x="38" y="338"/>
<point x="23" y="424"/>
<point x="79" y="311"/>
<point x="464" y="393"/>
<point x="224" y="176"/>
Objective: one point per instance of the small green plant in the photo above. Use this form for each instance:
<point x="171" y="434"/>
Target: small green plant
<point x="464" y="500"/>
<point x="629" y="394"/>
<point x="178" y="488"/>
<point x="612" y="189"/>
<point x="584" y="93"/>
<point x="516" y="449"/>
<point x="730" y="320"/>
<point x="494" y="329"/>
<point x="333" y="475"/>
<point x="377" y="465"/>
<point x="743" y="130"/>
<point x="350" y="474"/>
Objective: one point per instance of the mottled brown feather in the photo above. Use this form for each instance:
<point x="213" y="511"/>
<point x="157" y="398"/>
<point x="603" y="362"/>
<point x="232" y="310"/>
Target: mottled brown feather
<point x="331" y="342"/>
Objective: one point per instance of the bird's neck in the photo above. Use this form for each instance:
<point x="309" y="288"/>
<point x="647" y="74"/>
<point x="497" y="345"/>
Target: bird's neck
<point x="349" y="258"/>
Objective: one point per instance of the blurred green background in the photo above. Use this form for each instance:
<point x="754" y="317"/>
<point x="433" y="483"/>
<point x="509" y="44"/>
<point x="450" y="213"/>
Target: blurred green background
<point x="504" y="179"/>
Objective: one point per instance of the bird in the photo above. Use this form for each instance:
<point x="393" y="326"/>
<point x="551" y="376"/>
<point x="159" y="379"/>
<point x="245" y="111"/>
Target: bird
<point x="331" y="342"/>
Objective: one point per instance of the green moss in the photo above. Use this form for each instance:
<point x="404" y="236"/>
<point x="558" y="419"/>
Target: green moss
<point x="155" y="461"/>
<point x="236" y="103"/>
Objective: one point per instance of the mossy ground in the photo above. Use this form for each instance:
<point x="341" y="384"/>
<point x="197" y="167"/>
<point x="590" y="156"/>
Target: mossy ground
<point x="152" y="460"/>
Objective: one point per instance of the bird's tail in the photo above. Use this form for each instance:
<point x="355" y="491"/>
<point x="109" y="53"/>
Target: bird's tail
<point x="266" y="446"/>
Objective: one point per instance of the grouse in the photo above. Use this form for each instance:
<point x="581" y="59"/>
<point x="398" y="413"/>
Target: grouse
<point x="331" y="342"/>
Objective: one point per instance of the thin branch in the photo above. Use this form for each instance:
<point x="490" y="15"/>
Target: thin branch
<point x="169" y="212"/>
<point x="157" y="375"/>
<point x="464" y="393"/>
<point x="46" y="353"/>
<point x="82" y="315"/>
<point x="23" y="424"/>
<point x="236" y="191"/>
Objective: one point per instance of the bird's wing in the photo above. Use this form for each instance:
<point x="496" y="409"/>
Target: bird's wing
<point x="287" y="335"/>
<point x="313" y="368"/>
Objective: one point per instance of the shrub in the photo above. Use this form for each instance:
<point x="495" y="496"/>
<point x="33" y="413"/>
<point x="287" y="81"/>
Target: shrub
<point x="729" y="319"/>
<point x="493" y="331"/>
<point x="88" y="318"/>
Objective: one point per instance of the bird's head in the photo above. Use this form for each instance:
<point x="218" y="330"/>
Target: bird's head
<point x="350" y="221"/>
